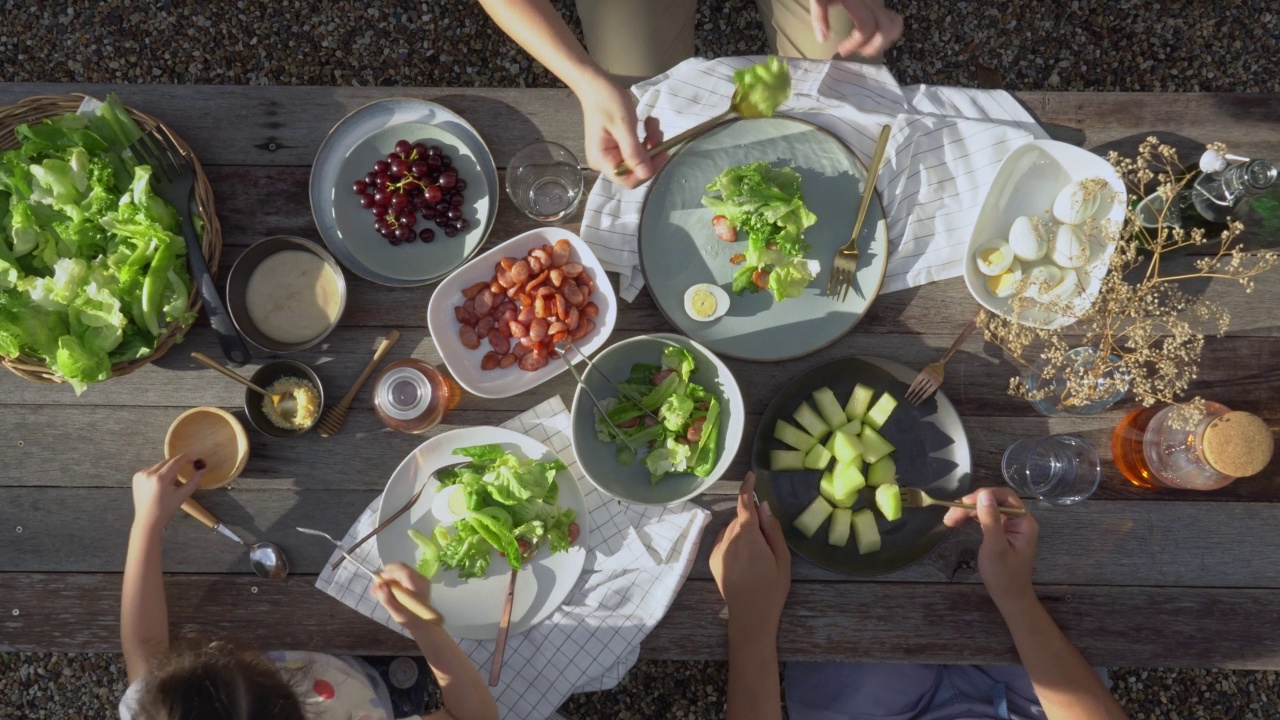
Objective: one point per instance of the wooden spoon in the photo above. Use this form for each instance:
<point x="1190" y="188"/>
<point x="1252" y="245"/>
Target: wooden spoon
<point x="281" y="402"/>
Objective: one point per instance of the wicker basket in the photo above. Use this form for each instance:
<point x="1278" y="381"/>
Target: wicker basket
<point x="35" y="109"/>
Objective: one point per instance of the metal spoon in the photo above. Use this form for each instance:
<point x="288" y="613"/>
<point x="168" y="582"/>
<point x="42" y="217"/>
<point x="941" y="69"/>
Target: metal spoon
<point x="560" y="348"/>
<point x="285" y="403"/>
<point x="266" y="559"/>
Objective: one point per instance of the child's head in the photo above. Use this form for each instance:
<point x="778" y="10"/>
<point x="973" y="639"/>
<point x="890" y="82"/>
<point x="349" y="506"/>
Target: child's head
<point x="217" y="683"/>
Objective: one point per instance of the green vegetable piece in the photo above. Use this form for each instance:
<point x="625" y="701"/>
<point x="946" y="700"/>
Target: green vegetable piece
<point x="859" y="401"/>
<point x="830" y="408"/>
<point x="848" y="447"/>
<point x="429" y="560"/>
<point x="846" y="481"/>
<point x="882" y="472"/>
<point x="786" y="460"/>
<point x="793" y="436"/>
<point x="889" y="502"/>
<point x="838" y="531"/>
<point x="811" y="421"/>
<point x="879" y="413"/>
<point x="813" y="516"/>
<point x="817" y="458"/>
<point x="761" y="88"/>
<point x="865" y="533"/>
<point x="876" y="446"/>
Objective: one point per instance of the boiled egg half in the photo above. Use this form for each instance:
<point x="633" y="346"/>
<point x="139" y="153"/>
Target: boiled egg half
<point x="1003" y="285"/>
<point x="1070" y="249"/>
<point x="450" y="504"/>
<point x="994" y="257"/>
<point x="1027" y="239"/>
<point x="1081" y="200"/>
<point x="705" y="302"/>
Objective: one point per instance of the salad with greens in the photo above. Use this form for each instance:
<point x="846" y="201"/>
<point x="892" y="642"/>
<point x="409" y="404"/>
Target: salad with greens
<point x="673" y="423"/>
<point x="768" y="204"/>
<point x="495" y="502"/>
<point x="92" y="271"/>
<point x="761" y="88"/>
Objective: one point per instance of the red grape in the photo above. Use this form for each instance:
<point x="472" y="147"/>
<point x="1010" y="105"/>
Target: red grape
<point x="419" y="150"/>
<point x="435" y="161"/>
<point x="434" y="151"/>
<point x="399" y="201"/>
<point x="403" y="147"/>
<point x="446" y="161"/>
<point x="403" y="233"/>
<point x="419" y="169"/>
<point x="399" y="168"/>
<point x="407" y="219"/>
<point x="382" y="166"/>
<point x="460" y="185"/>
<point x="448" y="179"/>
<point x="383" y="179"/>
<point x="450" y="231"/>
<point x="433" y="194"/>
<point x="371" y="178"/>
<point x="456" y="199"/>
<point x="426" y="235"/>
<point x="462" y="223"/>
<point x="455" y="213"/>
<point x="366" y="201"/>
<point x="415" y="178"/>
<point x="381" y="197"/>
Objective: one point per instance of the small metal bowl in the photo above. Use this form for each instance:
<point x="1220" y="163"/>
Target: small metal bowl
<point x="263" y="378"/>
<point x="238" y="285"/>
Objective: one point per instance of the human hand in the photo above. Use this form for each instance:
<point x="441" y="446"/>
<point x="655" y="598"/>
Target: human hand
<point x="157" y="492"/>
<point x="875" y="27"/>
<point x="751" y="563"/>
<point x="1008" y="544"/>
<point x="412" y="581"/>
<point x="609" y="117"/>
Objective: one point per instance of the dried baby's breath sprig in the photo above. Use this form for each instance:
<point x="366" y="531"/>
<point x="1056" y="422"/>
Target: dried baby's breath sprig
<point x="1148" y="331"/>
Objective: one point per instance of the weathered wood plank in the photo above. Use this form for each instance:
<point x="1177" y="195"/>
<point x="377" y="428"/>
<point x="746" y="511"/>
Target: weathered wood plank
<point x="1239" y="372"/>
<point x="365" y="454"/>
<point x="1128" y="543"/>
<point x="1111" y="626"/>
<point x="285" y="125"/>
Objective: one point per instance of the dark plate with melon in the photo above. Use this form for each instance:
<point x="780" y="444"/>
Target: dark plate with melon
<point x="883" y="441"/>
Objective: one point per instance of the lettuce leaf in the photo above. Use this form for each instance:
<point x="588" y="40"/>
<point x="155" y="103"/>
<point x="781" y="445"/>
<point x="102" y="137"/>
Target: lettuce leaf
<point x="761" y="88"/>
<point x="671" y="458"/>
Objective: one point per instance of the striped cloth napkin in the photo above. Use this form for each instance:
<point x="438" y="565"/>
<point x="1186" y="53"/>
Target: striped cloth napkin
<point x="943" y="153"/>
<point x="638" y="559"/>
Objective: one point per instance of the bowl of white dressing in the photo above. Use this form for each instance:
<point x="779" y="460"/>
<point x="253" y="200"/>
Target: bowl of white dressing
<point x="286" y="294"/>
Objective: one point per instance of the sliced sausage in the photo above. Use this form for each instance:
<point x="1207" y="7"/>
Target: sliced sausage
<point x="520" y="272"/>
<point x="573" y="269"/>
<point x="585" y="279"/>
<point x="557" y="327"/>
<point x="485" y="325"/>
<point x="545" y="290"/>
<point x="508" y="360"/>
<point x="560" y="253"/>
<point x="463" y="315"/>
<point x="470" y="340"/>
<point x="499" y="342"/>
<point x="557" y="277"/>
<point x="542" y="256"/>
<point x="661" y="375"/>
<point x="485" y="301"/>
<point x="490" y="361"/>
<point x="507" y="263"/>
<point x="562" y="307"/>
<point x="519" y="350"/>
<point x="694" y="434"/>
<point x="534" y="361"/>
<point x="518" y="330"/>
<point x="724" y="230"/>
<point x="535" y="264"/>
<point x="538" y="329"/>
<point x="571" y="293"/>
<point x="513" y="292"/>
<point x="590" y="310"/>
<point x="496" y="286"/>
<point x="534" y="283"/>
<point x="504" y="279"/>
<point x="541" y="308"/>
<point x="526" y="314"/>
<point x="471" y="290"/>
<point x="586" y="327"/>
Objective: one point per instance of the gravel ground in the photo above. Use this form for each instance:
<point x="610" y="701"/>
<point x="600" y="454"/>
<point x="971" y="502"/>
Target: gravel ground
<point x="1226" y="45"/>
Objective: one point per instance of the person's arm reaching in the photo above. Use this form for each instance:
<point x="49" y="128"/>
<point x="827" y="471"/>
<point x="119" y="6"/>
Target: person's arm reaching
<point x="752" y="568"/>
<point x="608" y="111"/>
<point x="144" y="614"/>
<point x="1065" y="684"/>
<point x="466" y="697"/>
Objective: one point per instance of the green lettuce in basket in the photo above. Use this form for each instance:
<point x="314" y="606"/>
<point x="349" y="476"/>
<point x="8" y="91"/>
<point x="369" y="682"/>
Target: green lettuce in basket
<point x="92" y="270"/>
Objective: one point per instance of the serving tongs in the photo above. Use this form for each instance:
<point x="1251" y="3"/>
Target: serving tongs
<point x="562" y="349"/>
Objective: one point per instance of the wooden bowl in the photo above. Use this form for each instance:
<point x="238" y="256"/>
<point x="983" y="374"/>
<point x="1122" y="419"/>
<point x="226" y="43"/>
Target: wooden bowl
<point x="213" y="435"/>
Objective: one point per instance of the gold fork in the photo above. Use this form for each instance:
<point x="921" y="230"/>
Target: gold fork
<point x="930" y="378"/>
<point x="845" y="264"/>
<point x="917" y="498"/>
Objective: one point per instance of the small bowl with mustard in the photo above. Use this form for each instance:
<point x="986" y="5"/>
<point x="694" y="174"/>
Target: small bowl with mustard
<point x="286" y="294"/>
<point x="299" y="409"/>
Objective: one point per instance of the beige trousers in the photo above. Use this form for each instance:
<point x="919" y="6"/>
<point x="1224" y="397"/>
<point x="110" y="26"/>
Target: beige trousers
<point x="637" y="39"/>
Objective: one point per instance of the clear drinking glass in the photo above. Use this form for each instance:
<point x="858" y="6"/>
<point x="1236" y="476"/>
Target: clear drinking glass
<point x="1109" y="390"/>
<point x="545" y="181"/>
<point x="1059" y="469"/>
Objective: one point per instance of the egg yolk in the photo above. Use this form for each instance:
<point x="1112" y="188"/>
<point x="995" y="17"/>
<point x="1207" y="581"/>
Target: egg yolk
<point x="702" y="303"/>
<point x="1002" y="285"/>
<point x="991" y="256"/>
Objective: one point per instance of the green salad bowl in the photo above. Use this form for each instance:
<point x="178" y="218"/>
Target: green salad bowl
<point x="630" y="483"/>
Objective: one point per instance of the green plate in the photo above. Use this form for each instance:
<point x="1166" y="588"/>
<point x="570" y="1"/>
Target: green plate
<point x="678" y="247"/>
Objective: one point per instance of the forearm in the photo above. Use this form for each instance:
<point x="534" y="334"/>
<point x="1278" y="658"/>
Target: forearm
<point x="754" y="690"/>
<point x="539" y="29"/>
<point x="466" y="697"/>
<point x="144" y="615"/>
<point x="1065" y="684"/>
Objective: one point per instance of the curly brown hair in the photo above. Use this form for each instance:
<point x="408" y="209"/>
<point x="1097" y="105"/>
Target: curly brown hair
<point x="217" y="682"/>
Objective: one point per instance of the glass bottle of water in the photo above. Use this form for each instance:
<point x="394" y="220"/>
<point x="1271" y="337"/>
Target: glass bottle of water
<point x="1213" y="198"/>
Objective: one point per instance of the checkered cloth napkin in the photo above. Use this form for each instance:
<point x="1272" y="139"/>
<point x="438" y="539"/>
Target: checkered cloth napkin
<point x="638" y="559"/>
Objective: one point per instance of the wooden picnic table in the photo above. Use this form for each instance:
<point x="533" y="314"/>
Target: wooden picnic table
<point x="1134" y="577"/>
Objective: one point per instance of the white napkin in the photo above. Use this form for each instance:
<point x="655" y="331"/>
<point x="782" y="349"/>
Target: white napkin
<point x="943" y="153"/>
<point x="638" y="559"/>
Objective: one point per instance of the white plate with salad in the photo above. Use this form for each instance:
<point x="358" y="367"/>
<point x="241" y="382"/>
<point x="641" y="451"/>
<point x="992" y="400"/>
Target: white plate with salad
<point x="787" y="193"/>
<point x="514" y="490"/>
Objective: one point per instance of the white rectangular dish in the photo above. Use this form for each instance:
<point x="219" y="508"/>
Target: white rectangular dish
<point x="1027" y="183"/>
<point x="464" y="364"/>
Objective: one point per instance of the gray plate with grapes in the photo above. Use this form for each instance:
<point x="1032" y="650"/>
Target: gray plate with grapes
<point x="348" y="156"/>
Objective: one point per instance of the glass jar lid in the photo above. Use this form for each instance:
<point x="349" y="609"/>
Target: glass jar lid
<point x="1238" y="444"/>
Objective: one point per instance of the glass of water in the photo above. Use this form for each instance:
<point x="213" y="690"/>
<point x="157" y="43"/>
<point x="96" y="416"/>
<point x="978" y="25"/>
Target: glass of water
<point x="1059" y="469"/>
<point x="545" y="181"/>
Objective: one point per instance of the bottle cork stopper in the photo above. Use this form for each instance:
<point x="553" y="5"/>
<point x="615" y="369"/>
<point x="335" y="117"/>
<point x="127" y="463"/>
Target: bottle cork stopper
<point x="1238" y="444"/>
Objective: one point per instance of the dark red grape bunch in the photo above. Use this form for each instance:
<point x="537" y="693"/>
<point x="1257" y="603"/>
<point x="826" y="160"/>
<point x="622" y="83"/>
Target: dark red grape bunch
<point x="414" y="180"/>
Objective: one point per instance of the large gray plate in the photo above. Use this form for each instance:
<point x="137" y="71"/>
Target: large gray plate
<point x="679" y="249"/>
<point x="932" y="452"/>
<point x="350" y="150"/>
